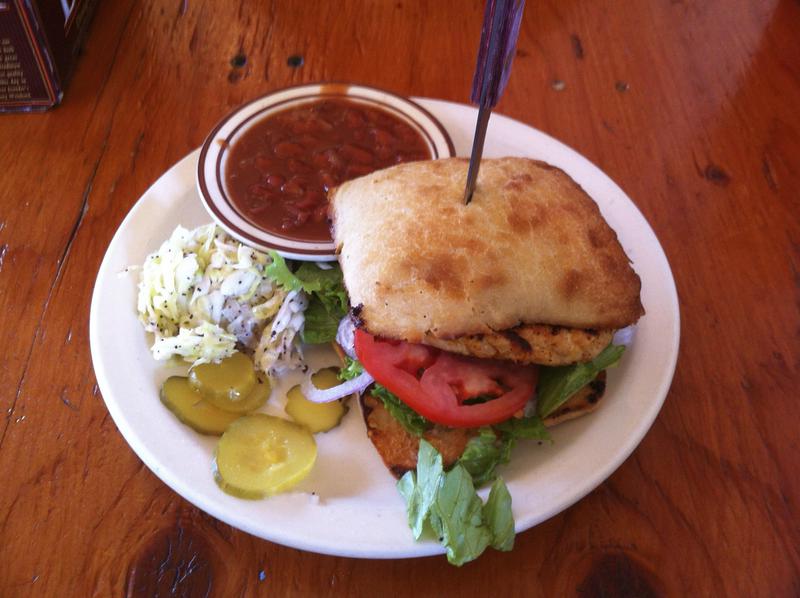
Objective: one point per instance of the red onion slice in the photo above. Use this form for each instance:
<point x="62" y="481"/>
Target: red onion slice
<point x="345" y="336"/>
<point x="624" y="336"/>
<point x="318" y="395"/>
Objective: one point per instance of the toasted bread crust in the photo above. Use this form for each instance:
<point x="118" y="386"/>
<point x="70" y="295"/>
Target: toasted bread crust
<point x="531" y="248"/>
<point x="398" y="448"/>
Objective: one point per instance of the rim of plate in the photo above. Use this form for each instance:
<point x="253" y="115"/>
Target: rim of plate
<point x="214" y="152"/>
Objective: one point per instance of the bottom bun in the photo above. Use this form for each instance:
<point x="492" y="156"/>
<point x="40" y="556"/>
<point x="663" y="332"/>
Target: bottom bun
<point x="398" y="448"/>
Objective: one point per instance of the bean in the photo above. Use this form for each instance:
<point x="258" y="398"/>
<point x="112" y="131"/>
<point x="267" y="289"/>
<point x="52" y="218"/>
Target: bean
<point x="301" y="218"/>
<point x="384" y="154"/>
<point x="257" y="190"/>
<point x="354" y="153"/>
<point x="291" y="208"/>
<point x="329" y="180"/>
<point x="407" y="135"/>
<point x="321" y="213"/>
<point x="264" y="164"/>
<point x="304" y="205"/>
<point x="309" y="125"/>
<point x="320" y="159"/>
<point x="384" y="121"/>
<point x="382" y="137"/>
<point x="275" y="181"/>
<point x="297" y="166"/>
<point x="257" y="207"/>
<point x="308" y="141"/>
<point x="293" y="187"/>
<point x="334" y="159"/>
<point x="315" y="198"/>
<point x="288" y="149"/>
<point x="327" y="106"/>
<point x="354" y="118"/>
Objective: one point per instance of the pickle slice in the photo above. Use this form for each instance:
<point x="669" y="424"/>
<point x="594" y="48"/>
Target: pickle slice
<point x="229" y="380"/>
<point x="190" y="408"/>
<point x="317" y="417"/>
<point x="260" y="455"/>
<point x="252" y="401"/>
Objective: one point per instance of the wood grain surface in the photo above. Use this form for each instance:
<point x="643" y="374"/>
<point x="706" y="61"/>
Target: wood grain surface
<point x="692" y="107"/>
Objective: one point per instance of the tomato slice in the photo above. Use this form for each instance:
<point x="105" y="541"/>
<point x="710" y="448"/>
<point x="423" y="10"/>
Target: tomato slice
<point x="448" y="389"/>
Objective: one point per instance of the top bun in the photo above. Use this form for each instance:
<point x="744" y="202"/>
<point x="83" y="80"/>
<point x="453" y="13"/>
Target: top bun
<point x="531" y="248"/>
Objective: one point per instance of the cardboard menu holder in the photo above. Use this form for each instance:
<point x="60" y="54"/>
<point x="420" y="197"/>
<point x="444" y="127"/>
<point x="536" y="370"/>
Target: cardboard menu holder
<point x="39" y="45"/>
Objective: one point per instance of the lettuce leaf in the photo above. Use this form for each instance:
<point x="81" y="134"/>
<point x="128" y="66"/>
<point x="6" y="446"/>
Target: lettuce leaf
<point x="492" y="446"/>
<point x="448" y="503"/>
<point x="459" y="515"/>
<point x="420" y="491"/>
<point x="320" y="324"/>
<point x="325" y="284"/>
<point x="352" y="369"/>
<point x="279" y="270"/>
<point x="524" y="427"/>
<point x="497" y="515"/>
<point x="327" y="296"/>
<point x="484" y="453"/>
<point x="557" y="384"/>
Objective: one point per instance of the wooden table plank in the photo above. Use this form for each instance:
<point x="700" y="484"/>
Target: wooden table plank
<point x="691" y="107"/>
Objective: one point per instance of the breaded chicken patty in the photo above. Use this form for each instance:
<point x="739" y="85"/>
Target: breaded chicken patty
<point x="531" y="343"/>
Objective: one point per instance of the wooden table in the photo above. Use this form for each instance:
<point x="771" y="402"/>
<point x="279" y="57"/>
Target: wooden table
<point x="692" y="107"/>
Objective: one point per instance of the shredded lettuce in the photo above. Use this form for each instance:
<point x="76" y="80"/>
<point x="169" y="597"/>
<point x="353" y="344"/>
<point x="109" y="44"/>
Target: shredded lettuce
<point x="557" y="384"/>
<point x="448" y="504"/>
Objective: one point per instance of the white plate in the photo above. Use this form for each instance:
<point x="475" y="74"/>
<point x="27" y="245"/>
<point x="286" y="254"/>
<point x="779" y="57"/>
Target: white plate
<point x="356" y="510"/>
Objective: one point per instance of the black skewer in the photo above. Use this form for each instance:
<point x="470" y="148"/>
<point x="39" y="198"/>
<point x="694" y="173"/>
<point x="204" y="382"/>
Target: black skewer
<point x="501" y="20"/>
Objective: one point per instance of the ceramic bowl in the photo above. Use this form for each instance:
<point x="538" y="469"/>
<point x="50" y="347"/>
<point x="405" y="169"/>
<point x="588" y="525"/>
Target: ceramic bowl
<point x="215" y="153"/>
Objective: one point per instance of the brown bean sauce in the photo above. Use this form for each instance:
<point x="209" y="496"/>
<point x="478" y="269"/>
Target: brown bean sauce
<point x="282" y="167"/>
